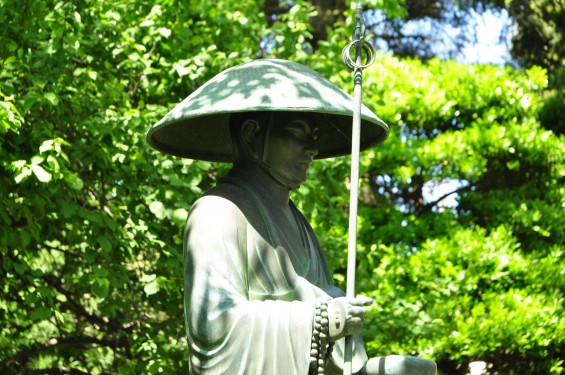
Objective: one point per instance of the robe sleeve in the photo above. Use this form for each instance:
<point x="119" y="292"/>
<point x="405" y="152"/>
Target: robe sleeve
<point x="228" y="332"/>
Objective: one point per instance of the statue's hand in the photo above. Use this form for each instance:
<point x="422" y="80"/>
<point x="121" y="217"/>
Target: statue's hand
<point x="346" y="316"/>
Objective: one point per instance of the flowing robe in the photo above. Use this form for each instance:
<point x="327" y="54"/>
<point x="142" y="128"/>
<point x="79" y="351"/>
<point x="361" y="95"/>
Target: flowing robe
<point x="249" y="292"/>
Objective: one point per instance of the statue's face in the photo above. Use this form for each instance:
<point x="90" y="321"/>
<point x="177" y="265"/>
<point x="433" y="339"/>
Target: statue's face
<point x="291" y="149"/>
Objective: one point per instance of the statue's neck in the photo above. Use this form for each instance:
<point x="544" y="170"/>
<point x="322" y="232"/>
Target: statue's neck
<point x="258" y="177"/>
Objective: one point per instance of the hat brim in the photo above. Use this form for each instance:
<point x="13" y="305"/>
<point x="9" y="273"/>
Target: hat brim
<point x="198" y="127"/>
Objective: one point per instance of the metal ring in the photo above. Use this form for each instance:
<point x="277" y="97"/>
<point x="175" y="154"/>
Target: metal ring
<point x="367" y="48"/>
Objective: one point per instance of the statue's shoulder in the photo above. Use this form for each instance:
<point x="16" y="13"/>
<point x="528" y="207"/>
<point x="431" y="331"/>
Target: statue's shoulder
<point x="212" y="216"/>
<point x="226" y="199"/>
<point x="215" y="210"/>
<point x="236" y="191"/>
<point x="228" y="189"/>
<point x="220" y="200"/>
<point x="242" y="199"/>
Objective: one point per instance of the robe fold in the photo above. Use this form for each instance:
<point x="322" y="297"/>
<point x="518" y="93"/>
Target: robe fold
<point x="250" y="292"/>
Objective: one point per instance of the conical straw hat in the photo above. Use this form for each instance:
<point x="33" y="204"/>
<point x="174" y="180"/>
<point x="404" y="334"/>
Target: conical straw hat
<point x="198" y="127"/>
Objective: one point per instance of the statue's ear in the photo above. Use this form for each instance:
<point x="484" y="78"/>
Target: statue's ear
<point x="250" y="133"/>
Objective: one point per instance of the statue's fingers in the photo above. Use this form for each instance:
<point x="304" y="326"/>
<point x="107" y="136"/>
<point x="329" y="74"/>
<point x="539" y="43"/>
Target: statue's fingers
<point x="361" y="300"/>
<point x="356" y="321"/>
<point x="356" y="311"/>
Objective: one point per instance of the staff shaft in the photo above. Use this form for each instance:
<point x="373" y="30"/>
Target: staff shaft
<point x="353" y="199"/>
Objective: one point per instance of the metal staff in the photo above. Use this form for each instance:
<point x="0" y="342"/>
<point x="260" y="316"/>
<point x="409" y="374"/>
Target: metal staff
<point x="357" y="66"/>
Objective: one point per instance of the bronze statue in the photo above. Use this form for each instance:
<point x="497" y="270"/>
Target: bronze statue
<point x="259" y="297"/>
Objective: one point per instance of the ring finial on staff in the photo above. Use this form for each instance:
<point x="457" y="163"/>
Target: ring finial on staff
<point x="361" y="46"/>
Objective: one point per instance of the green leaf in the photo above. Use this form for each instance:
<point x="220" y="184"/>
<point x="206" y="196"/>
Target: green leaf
<point x="37" y="159"/>
<point x="148" y="278"/>
<point x="25" y="172"/>
<point x="30" y="100"/>
<point x="52" y="98"/>
<point x="101" y="287"/>
<point x="105" y="243"/>
<point x="67" y="209"/>
<point x="41" y="313"/>
<point x="41" y="174"/>
<point x="158" y="209"/>
<point x="10" y="117"/>
<point x="152" y="287"/>
<point x="179" y="216"/>
<point x="164" y="32"/>
<point x="74" y="181"/>
<point x="25" y="237"/>
<point x="20" y="267"/>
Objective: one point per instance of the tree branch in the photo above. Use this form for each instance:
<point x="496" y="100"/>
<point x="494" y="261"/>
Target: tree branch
<point x="78" y="309"/>
<point x="428" y="206"/>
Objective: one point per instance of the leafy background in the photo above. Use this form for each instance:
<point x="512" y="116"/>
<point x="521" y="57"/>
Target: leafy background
<point x="91" y="218"/>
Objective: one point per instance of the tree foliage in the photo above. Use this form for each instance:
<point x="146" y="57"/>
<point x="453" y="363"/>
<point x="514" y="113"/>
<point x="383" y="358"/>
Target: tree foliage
<point x="91" y="220"/>
<point x="461" y="227"/>
<point x="427" y="29"/>
<point x="540" y="29"/>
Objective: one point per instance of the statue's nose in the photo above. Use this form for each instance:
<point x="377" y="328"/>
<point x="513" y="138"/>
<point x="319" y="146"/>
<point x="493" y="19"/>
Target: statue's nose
<point x="312" y="147"/>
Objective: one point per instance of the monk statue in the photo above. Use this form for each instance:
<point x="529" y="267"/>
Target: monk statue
<point x="259" y="297"/>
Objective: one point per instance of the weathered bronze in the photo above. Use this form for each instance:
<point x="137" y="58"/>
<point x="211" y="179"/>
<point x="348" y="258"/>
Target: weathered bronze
<point x="259" y="297"/>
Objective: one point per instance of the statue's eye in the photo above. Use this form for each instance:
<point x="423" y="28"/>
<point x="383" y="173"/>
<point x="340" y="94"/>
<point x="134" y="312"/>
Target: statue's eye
<point x="297" y="131"/>
<point x="300" y="130"/>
